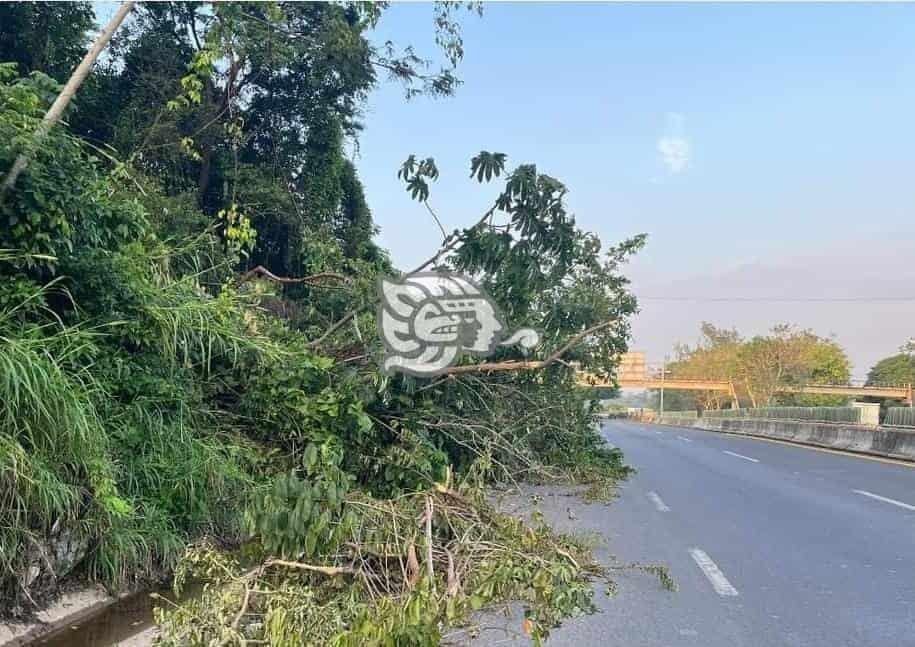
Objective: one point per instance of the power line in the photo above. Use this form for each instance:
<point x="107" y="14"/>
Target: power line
<point x="906" y="299"/>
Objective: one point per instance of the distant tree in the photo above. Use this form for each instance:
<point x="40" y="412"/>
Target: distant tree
<point x="791" y="357"/>
<point x="787" y="356"/>
<point x="823" y="361"/>
<point x="713" y="358"/>
<point x="893" y="370"/>
<point x="49" y="37"/>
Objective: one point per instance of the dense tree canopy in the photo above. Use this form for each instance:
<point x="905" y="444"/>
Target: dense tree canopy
<point x="893" y="371"/>
<point x="758" y="366"/>
<point x="47" y="37"/>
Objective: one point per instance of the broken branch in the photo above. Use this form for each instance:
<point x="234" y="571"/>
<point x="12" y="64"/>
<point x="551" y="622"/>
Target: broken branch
<point x="301" y="566"/>
<point x="315" y="279"/>
<point x="487" y="367"/>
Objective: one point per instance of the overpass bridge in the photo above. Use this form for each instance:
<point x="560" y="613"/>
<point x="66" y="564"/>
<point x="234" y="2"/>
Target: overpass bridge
<point x="633" y="374"/>
<point x="893" y="392"/>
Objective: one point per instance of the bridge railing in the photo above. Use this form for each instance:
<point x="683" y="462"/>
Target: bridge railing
<point x="901" y="392"/>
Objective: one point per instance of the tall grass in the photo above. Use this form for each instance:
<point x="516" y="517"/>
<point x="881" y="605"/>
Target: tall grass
<point x="130" y="462"/>
<point x="185" y="462"/>
<point x="53" y="448"/>
<point x="50" y="411"/>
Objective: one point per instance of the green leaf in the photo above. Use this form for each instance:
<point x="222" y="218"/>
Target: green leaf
<point x="311" y="456"/>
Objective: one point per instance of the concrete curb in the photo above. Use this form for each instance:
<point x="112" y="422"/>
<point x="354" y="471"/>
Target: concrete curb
<point x="71" y="608"/>
<point x="883" y="442"/>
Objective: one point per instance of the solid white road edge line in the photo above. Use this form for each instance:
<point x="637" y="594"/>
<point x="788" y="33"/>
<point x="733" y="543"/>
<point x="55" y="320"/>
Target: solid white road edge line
<point x="885" y="500"/>
<point x="746" y="458"/>
<point x="658" y="503"/>
<point x="713" y="573"/>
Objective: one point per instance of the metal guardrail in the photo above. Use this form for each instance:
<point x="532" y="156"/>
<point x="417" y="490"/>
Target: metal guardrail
<point x="899" y="417"/>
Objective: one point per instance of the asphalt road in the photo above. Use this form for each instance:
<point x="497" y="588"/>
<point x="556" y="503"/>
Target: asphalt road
<point x="770" y="545"/>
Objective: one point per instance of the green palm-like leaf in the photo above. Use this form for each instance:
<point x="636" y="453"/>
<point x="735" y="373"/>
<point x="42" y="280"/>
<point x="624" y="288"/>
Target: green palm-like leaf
<point x="486" y="165"/>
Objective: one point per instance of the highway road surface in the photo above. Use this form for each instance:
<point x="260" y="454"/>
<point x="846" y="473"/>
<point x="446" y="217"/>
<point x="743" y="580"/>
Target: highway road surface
<point x="770" y="544"/>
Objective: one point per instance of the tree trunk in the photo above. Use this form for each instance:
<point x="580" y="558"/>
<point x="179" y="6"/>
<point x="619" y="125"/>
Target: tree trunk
<point x="750" y="393"/>
<point x="203" y="179"/>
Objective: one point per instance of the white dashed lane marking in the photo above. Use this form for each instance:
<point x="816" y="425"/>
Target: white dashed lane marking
<point x="658" y="503"/>
<point x="713" y="573"/>
<point x="905" y="506"/>
<point x="686" y="440"/>
<point x="746" y="458"/>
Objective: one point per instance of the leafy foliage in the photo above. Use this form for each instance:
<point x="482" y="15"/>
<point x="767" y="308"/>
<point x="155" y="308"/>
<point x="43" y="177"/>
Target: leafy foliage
<point x="415" y="173"/>
<point x="757" y="367"/>
<point x="45" y="218"/>
<point x="486" y="165"/>
<point x="893" y="371"/>
<point x="55" y="33"/>
<point x="381" y="593"/>
<point x="109" y="444"/>
<point x="541" y="269"/>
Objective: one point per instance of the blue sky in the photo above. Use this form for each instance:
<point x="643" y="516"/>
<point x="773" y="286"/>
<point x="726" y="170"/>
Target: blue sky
<point x="767" y="150"/>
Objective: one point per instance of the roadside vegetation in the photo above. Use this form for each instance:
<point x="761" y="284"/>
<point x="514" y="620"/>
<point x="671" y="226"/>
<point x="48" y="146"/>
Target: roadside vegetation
<point x="895" y="370"/>
<point x="188" y="356"/>
<point x="787" y="356"/>
<point x="758" y="366"/>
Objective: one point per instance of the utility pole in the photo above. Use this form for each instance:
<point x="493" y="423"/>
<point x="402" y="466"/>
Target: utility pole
<point x="663" y="371"/>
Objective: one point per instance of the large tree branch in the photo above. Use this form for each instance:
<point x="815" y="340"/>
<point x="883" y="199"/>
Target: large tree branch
<point x="325" y="570"/>
<point x="488" y="367"/>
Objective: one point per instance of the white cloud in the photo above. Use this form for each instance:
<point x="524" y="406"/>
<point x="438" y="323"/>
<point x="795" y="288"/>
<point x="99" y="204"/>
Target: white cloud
<point x="672" y="146"/>
<point x="674" y="153"/>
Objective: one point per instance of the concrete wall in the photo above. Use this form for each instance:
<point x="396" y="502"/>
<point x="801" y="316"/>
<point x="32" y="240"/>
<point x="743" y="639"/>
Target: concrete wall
<point x="890" y="443"/>
<point x="870" y="412"/>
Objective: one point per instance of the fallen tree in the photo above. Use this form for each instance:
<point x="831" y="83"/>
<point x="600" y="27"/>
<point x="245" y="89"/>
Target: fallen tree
<point x="150" y="401"/>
